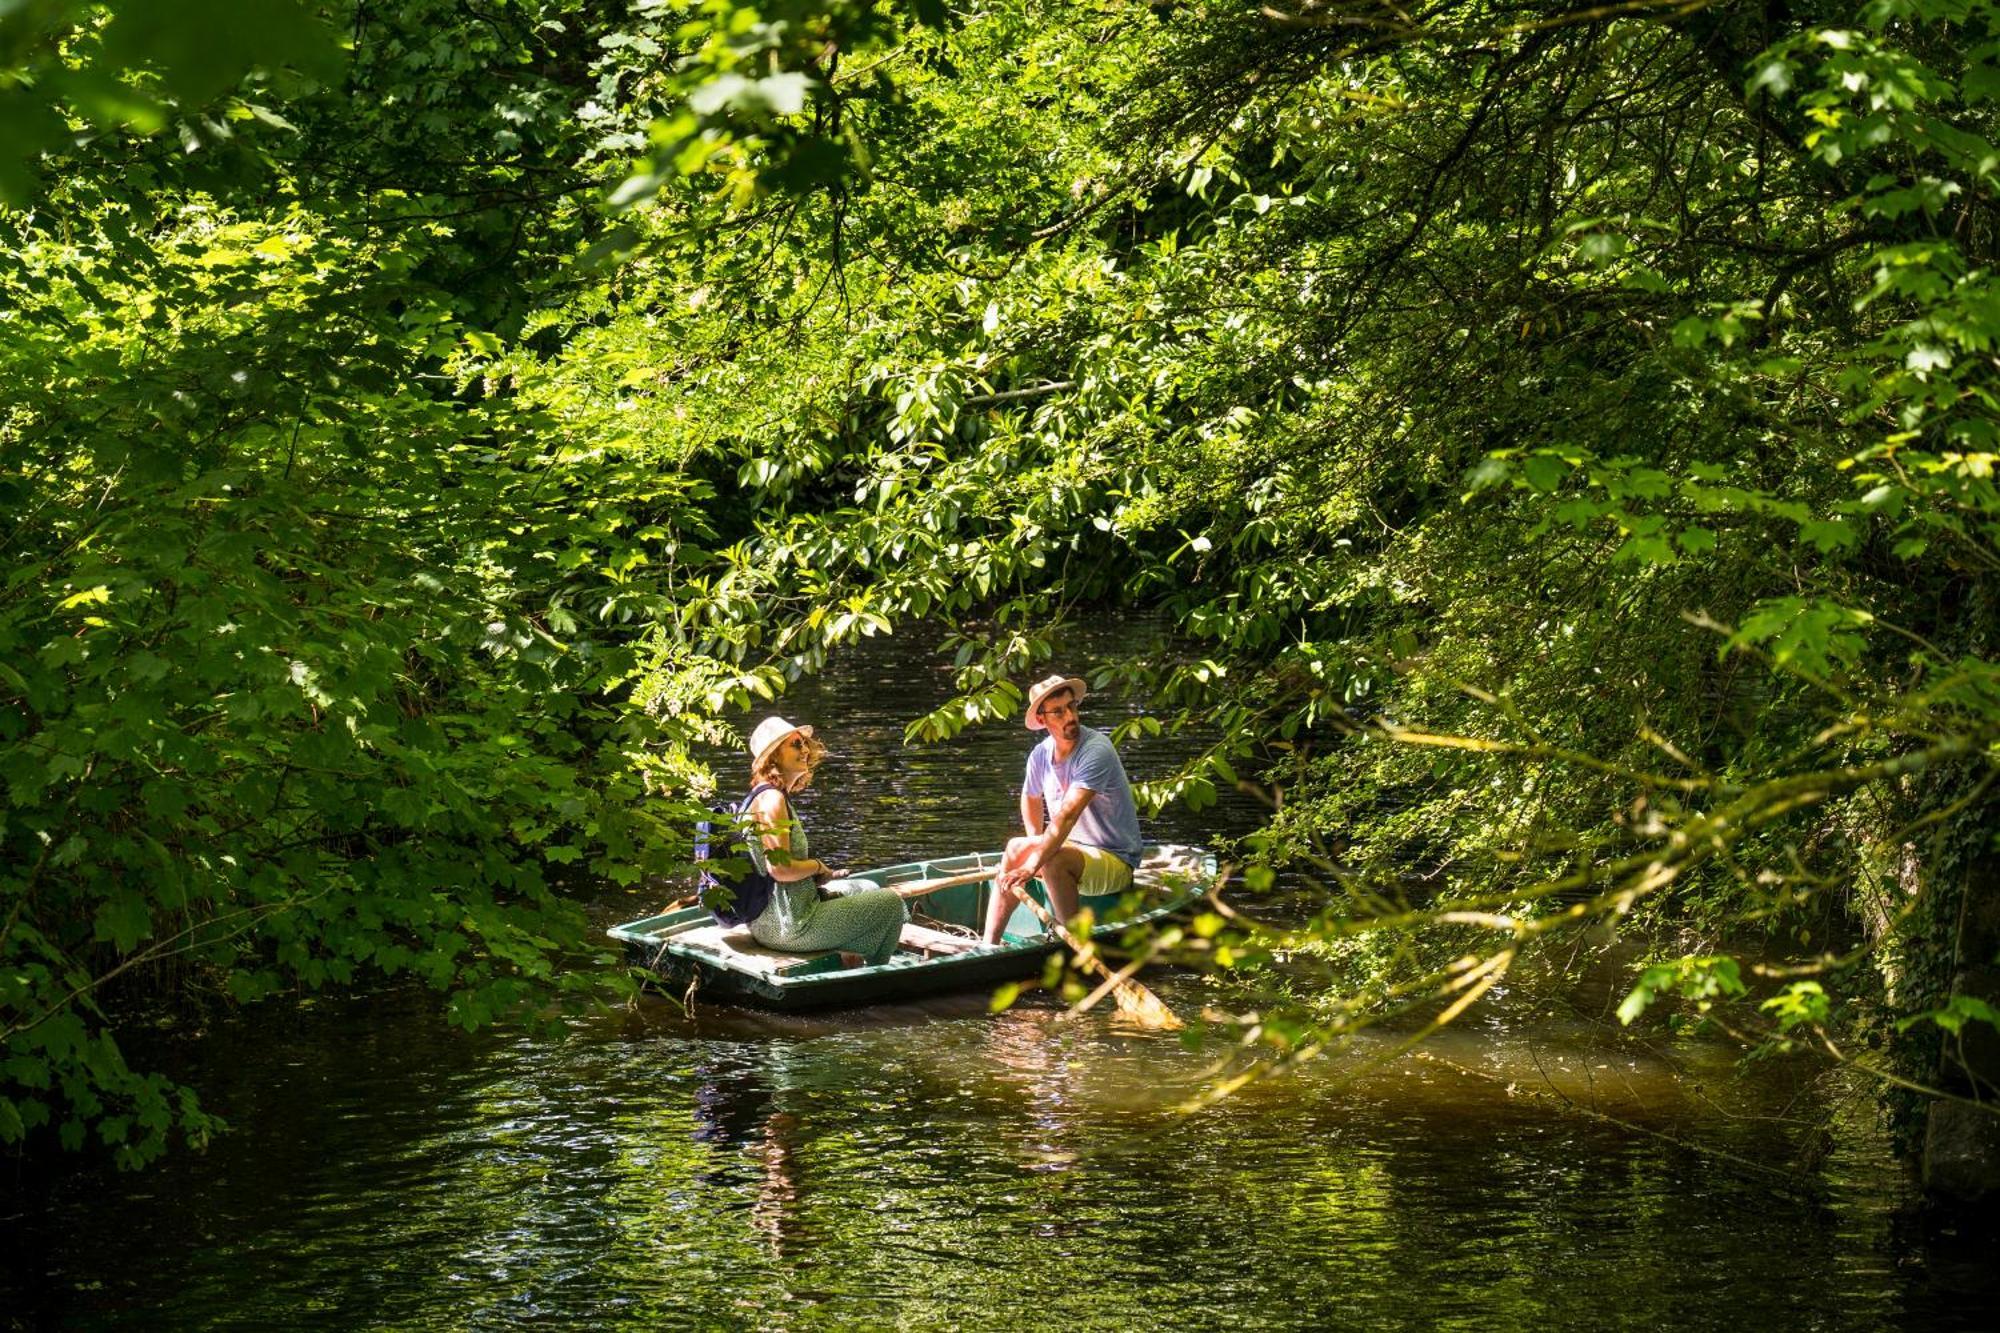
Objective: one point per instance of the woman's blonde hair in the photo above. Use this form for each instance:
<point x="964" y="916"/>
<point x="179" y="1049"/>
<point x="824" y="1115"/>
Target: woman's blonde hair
<point x="768" y="771"/>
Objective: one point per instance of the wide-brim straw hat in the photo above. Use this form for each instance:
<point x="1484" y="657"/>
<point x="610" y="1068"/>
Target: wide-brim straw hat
<point x="1042" y="690"/>
<point x="769" y="734"/>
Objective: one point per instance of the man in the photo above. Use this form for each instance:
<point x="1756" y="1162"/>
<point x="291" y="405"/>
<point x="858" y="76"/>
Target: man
<point x="1076" y="805"/>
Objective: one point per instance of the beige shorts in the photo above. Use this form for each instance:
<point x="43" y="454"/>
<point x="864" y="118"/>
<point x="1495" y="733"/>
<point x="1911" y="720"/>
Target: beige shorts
<point x="1103" y="872"/>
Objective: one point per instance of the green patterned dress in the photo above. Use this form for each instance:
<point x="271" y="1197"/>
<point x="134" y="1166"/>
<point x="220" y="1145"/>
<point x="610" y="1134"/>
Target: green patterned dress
<point x="860" y="917"/>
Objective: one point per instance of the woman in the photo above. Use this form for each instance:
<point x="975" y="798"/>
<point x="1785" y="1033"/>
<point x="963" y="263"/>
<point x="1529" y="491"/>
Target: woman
<point x="859" y="918"/>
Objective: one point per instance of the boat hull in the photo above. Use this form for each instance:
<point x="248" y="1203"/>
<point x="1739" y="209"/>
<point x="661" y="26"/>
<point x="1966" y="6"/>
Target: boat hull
<point x="691" y="955"/>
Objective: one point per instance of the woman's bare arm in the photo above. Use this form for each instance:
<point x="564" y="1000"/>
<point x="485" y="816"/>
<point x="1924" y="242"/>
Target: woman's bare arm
<point x="773" y="817"/>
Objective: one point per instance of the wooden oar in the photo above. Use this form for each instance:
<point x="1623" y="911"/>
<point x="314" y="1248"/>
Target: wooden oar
<point x="924" y="886"/>
<point x="913" y="890"/>
<point x="1134" y="1000"/>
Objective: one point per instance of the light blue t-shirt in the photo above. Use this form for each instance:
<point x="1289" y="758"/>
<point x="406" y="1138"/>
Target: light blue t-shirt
<point x="1111" y="820"/>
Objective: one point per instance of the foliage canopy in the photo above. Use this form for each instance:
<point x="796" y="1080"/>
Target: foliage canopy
<point x="1564" y="435"/>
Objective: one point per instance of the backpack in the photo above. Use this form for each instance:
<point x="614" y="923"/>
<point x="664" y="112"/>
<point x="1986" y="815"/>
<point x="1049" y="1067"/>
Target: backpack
<point x="731" y="886"/>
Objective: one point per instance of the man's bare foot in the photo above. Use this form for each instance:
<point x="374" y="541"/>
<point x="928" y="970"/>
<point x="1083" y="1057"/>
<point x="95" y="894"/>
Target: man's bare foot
<point x="851" y="959"/>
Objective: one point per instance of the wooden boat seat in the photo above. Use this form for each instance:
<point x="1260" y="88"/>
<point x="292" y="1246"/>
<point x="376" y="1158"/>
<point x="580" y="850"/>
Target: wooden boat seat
<point x="930" y="942"/>
<point x="735" y="943"/>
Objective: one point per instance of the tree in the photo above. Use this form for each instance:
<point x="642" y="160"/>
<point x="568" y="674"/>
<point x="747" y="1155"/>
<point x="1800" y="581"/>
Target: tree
<point x="1563" y="434"/>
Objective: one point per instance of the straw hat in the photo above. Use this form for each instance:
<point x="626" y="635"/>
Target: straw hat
<point x="766" y="738"/>
<point x="1042" y="690"/>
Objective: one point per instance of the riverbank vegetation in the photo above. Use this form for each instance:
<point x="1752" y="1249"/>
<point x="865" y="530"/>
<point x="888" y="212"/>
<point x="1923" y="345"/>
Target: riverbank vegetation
<point x="1564" y="437"/>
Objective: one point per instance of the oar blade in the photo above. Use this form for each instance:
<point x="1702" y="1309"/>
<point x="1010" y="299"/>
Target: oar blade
<point x="1145" y="1008"/>
<point x="1134" y="1000"/>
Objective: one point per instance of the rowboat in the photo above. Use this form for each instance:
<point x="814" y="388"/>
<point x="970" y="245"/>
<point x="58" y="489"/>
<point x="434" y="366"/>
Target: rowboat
<point x="940" y="949"/>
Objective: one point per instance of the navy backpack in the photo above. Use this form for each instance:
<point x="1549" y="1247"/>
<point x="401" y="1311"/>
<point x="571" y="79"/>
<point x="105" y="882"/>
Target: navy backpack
<point x="732" y="887"/>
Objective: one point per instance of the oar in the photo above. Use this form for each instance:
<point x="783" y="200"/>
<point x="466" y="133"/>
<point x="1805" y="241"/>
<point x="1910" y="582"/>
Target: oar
<point x="924" y="886"/>
<point x="914" y="890"/>
<point x="1134" y="1000"/>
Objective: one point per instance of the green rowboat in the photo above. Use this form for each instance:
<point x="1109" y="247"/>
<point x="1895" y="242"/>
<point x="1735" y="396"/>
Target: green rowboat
<point x="940" y="950"/>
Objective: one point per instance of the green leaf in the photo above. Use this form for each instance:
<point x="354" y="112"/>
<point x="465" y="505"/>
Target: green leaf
<point x="1703" y="979"/>
<point x="1800" y="1002"/>
<point x="1954" y="1015"/>
<point x="1544" y="472"/>
<point x="1649" y="550"/>
<point x="1828" y="535"/>
<point x="1489" y="472"/>
<point x="124" y="919"/>
<point x="96" y="596"/>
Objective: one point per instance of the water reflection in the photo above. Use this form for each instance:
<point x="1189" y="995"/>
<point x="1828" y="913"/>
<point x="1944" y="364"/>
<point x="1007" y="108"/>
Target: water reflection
<point x="1034" y="1064"/>
<point x="731" y="1103"/>
<point x="958" y="1169"/>
<point x="738" y="1113"/>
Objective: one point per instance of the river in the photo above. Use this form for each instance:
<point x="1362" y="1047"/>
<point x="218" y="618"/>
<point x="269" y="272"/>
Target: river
<point x="936" y="1166"/>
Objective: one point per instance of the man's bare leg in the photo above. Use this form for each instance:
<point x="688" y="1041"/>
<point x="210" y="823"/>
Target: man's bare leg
<point x="1000" y="906"/>
<point x="1061" y="874"/>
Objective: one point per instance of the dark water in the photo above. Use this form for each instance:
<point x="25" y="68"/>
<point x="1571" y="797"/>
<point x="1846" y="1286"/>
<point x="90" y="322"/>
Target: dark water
<point x="934" y="1166"/>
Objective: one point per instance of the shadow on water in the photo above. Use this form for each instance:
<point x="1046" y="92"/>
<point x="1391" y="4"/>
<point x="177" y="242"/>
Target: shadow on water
<point x="932" y="1165"/>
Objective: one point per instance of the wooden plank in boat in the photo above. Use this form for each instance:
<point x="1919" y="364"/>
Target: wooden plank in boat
<point x="929" y="941"/>
<point x="743" y="952"/>
<point x="735" y="943"/>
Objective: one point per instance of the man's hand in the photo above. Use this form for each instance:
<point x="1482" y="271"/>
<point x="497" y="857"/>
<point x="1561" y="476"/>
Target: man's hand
<point x="1010" y="881"/>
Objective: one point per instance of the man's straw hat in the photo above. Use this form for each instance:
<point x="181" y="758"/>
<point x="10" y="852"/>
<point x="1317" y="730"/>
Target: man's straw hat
<point x="1042" y="690"/>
